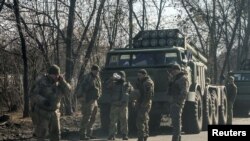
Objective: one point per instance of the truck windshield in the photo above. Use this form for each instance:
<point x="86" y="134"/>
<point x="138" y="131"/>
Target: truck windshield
<point x="141" y="59"/>
<point x="242" y="76"/>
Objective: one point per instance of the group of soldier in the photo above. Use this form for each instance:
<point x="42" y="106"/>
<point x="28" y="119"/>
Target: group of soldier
<point x="121" y="92"/>
<point x="47" y="92"/>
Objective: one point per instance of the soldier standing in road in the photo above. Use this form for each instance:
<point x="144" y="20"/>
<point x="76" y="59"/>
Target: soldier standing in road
<point x="120" y="90"/>
<point x="178" y="90"/>
<point x="45" y="101"/>
<point x="89" y="92"/>
<point x="231" y="95"/>
<point x="145" y="86"/>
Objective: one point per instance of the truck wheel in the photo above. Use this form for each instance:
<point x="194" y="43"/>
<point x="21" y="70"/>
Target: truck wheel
<point x="207" y="112"/>
<point x="192" y="115"/>
<point x="104" y="113"/>
<point x="223" y="110"/>
<point x="215" y="108"/>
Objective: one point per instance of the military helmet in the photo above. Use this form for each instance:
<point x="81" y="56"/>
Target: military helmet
<point x="54" y="69"/>
<point x="174" y="66"/>
<point x="208" y="80"/>
<point x="231" y="78"/>
<point x="122" y="74"/>
<point x="143" y="71"/>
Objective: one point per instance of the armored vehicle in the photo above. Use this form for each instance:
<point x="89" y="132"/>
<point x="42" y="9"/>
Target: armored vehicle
<point x="242" y="101"/>
<point x="154" y="50"/>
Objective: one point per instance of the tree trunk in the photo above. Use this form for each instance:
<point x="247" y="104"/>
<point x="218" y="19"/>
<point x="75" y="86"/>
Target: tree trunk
<point x="245" y="46"/>
<point x="130" y="23"/>
<point x="24" y="57"/>
<point x="69" y="59"/>
<point x="143" y="14"/>
<point x="1" y="5"/>
<point x="239" y="47"/>
<point x="213" y="46"/>
<point x="57" y="60"/>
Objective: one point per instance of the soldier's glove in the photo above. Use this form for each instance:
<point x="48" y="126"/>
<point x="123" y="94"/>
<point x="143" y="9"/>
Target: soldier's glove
<point x="61" y="78"/>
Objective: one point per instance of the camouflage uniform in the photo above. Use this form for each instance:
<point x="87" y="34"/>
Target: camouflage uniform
<point x="90" y="91"/>
<point x="143" y="105"/>
<point x="119" y="90"/>
<point x="231" y="94"/>
<point x="34" y="116"/>
<point x="45" y="96"/>
<point x="178" y="90"/>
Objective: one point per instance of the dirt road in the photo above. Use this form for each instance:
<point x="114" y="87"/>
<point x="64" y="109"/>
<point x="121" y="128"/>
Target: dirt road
<point x="165" y="133"/>
<point x="71" y="127"/>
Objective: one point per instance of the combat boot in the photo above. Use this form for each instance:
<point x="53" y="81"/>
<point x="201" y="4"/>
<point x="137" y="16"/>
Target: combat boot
<point x="84" y="137"/>
<point x="92" y="137"/>
<point x="145" y="138"/>
<point x="90" y="134"/>
<point x="176" y="138"/>
<point x="124" y="137"/>
<point x="111" y="137"/>
<point x="140" y="139"/>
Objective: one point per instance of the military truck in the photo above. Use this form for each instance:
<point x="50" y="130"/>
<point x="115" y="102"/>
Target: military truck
<point x="242" y="101"/>
<point x="154" y="50"/>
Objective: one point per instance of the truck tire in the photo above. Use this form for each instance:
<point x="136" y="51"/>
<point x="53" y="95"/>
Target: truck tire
<point x="104" y="115"/>
<point x="223" y="110"/>
<point x="215" y="108"/>
<point x="207" y="112"/>
<point x="193" y="115"/>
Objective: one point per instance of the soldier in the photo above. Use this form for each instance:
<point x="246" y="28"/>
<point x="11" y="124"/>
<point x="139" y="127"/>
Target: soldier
<point x="89" y="92"/>
<point x="208" y="81"/>
<point x="120" y="90"/>
<point x="145" y="86"/>
<point x="34" y="116"/>
<point x="178" y="90"/>
<point x="231" y="94"/>
<point x="45" y="101"/>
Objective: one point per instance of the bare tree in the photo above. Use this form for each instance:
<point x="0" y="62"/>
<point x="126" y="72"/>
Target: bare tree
<point x="230" y="41"/>
<point x="160" y="9"/>
<point x="245" y="47"/>
<point x="1" y="5"/>
<point x="24" y="57"/>
<point x="112" y="24"/>
<point x="130" y="3"/>
<point x="91" y="44"/>
<point x="69" y="59"/>
<point x="212" y="26"/>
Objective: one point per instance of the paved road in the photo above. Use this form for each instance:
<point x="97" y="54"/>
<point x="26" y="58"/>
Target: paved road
<point x="165" y="133"/>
